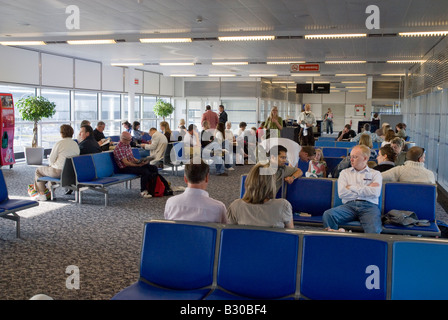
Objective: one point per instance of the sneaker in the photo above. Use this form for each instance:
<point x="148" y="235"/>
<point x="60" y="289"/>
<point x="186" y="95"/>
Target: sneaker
<point x="224" y="174"/>
<point x="148" y="195"/>
<point x="41" y="197"/>
<point x="230" y="169"/>
<point x="144" y="193"/>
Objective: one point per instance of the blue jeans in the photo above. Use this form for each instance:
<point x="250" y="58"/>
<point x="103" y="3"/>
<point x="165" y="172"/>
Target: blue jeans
<point x="367" y="213"/>
<point x="219" y="168"/>
<point x="329" y="126"/>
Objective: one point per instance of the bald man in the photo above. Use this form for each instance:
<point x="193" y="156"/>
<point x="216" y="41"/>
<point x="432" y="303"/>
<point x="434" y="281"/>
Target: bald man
<point x="128" y="164"/>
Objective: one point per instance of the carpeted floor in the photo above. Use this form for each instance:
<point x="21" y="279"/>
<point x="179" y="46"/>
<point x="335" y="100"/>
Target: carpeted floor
<point x="103" y="242"/>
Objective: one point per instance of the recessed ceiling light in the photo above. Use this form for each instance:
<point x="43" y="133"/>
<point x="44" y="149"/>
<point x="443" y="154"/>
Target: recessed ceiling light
<point x="335" y="36"/>
<point x="405" y="61"/>
<point x="393" y="74"/>
<point x="423" y="34"/>
<point x="345" y="62"/>
<point x="165" y="40"/>
<point x="99" y="41"/>
<point x="23" y="43"/>
<point x="246" y="38"/>
<point x="126" y="64"/>
<point x="284" y="62"/>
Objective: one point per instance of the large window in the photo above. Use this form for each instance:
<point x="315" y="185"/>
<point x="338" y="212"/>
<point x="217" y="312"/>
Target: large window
<point x="62" y="100"/>
<point x="86" y="107"/>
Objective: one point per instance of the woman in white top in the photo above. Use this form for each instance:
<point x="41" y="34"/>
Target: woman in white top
<point x="258" y="206"/>
<point x="67" y="147"/>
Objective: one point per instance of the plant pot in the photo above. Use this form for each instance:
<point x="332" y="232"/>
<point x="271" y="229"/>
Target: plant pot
<point x="34" y="156"/>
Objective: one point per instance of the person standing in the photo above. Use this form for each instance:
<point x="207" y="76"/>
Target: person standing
<point x="329" y="121"/>
<point x="306" y="121"/>
<point x="273" y="122"/>
<point x="211" y="117"/>
<point x="222" y="114"/>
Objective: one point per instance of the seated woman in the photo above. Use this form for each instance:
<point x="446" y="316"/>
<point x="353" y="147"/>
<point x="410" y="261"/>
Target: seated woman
<point x="67" y="147"/>
<point x="386" y="158"/>
<point x="136" y="132"/>
<point x="366" y="140"/>
<point x="258" y="207"/>
<point x="390" y="134"/>
<point x="165" y="128"/>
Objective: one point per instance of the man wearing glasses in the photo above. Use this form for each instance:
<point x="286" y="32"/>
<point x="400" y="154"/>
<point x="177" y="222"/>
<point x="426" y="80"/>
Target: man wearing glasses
<point x="128" y="164"/>
<point x="359" y="188"/>
<point x="413" y="169"/>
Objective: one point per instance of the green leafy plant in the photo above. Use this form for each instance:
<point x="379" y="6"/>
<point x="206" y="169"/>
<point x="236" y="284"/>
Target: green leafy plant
<point x="35" y="109"/>
<point x="163" y="109"/>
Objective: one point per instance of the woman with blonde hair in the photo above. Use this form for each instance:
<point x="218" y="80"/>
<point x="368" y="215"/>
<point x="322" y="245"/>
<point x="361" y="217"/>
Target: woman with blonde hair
<point x="258" y="206"/>
<point x="165" y="127"/>
<point x="273" y="122"/>
<point x="366" y="140"/>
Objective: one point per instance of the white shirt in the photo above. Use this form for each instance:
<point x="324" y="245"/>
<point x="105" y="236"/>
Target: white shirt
<point x="157" y="146"/>
<point x="195" y="205"/>
<point x="411" y="171"/>
<point x="67" y="147"/>
<point x="358" y="182"/>
<point x="293" y="148"/>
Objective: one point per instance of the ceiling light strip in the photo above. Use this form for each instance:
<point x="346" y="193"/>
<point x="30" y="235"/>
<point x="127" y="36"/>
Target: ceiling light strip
<point x="335" y="36"/>
<point x="246" y="38"/>
<point x="423" y="34"/>
<point x="285" y="62"/>
<point x="405" y="61"/>
<point x="346" y="62"/>
<point x="97" y="41"/>
<point x="22" y="43"/>
<point x="176" y="64"/>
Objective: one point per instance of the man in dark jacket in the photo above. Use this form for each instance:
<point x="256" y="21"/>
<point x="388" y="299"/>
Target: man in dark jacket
<point x="88" y="144"/>
<point x="222" y="114"/>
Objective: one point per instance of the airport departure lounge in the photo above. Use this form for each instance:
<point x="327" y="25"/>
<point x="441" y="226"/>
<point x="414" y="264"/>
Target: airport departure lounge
<point x="215" y="152"/>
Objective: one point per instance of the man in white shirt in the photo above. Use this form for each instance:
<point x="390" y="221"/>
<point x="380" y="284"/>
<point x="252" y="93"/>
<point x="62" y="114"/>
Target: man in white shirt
<point x="195" y="204"/>
<point x="306" y="121"/>
<point x="157" y="145"/>
<point x="359" y="188"/>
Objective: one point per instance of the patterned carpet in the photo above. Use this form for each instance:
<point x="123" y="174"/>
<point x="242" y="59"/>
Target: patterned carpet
<point x="103" y="242"/>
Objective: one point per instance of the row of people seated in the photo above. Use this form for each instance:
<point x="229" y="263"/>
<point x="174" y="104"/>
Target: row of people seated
<point x="359" y="188"/>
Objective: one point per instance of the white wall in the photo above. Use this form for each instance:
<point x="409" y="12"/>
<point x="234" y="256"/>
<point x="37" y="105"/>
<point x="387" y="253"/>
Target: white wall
<point x="320" y="103"/>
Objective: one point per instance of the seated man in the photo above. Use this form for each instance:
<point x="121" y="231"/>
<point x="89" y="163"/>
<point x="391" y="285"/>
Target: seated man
<point x="87" y="143"/>
<point x="283" y="173"/>
<point x="346" y="134"/>
<point x="157" y="146"/>
<point x="413" y="169"/>
<point x="374" y="137"/>
<point x="128" y="164"/>
<point x="195" y="204"/>
<point x="99" y="136"/>
<point x="359" y="188"/>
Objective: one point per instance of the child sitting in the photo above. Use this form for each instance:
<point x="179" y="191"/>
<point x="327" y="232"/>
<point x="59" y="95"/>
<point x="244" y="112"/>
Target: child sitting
<point x="317" y="167"/>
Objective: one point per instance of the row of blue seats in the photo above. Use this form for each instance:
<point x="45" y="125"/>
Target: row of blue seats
<point x="206" y="261"/>
<point x="311" y="196"/>
<point x="342" y="144"/>
<point x="96" y="171"/>
<point x="10" y="207"/>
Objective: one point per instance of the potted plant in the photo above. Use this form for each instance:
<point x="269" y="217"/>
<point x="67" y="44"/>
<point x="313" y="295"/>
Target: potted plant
<point x="35" y="109"/>
<point x="163" y="109"/>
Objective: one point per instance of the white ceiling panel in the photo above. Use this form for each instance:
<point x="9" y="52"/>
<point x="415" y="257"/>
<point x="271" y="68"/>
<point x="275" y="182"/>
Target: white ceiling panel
<point x="129" y="20"/>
